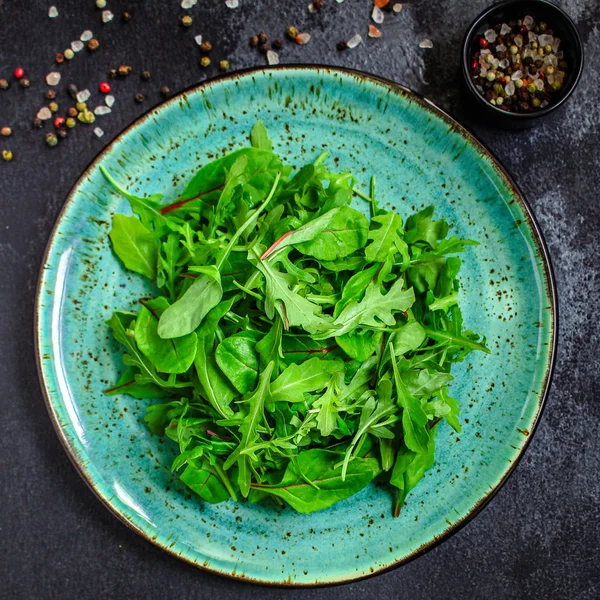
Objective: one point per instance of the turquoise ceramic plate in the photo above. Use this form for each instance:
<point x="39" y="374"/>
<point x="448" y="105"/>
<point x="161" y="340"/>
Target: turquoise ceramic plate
<point x="420" y="156"/>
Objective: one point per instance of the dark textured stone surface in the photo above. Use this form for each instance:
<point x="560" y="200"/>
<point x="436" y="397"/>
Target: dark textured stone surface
<point x="539" y="538"/>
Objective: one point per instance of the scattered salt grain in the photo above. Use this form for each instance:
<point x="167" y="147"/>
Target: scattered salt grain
<point x="339" y="1"/>
<point x="53" y="78"/>
<point x="44" y="114"/>
<point x="377" y="15"/>
<point x="198" y="40"/>
<point x="397" y="7"/>
<point x="272" y="57"/>
<point x="107" y="16"/>
<point x="232" y="3"/>
<point x="83" y="96"/>
<point x="426" y="44"/>
<point x="86" y="36"/>
<point x="110" y="100"/>
<point x="77" y="46"/>
<point x="302" y="38"/>
<point x="354" y="41"/>
<point x="99" y="132"/>
<point x="102" y="110"/>
<point x="374" y="32"/>
<point x="311" y="8"/>
<point x="505" y="29"/>
<point x="53" y="12"/>
<point x="185" y="4"/>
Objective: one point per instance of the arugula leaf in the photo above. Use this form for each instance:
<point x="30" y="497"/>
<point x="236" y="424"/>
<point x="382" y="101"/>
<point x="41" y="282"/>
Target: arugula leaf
<point x="134" y="245"/>
<point x="238" y="359"/>
<point x="384" y="238"/>
<point x="260" y="137"/>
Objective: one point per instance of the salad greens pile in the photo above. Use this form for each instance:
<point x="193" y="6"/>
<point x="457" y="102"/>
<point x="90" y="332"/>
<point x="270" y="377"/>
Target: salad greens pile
<point x="296" y="350"/>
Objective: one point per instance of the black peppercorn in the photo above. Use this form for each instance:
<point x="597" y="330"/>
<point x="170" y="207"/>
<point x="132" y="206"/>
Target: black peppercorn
<point x="24" y="82"/>
<point x="254" y="41"/>
<point x="277" y="44"/>
<point x="126" y="17"/>
<point x="527" y="60"/>
<point x="262" y="38"/>
<point x="500" y="55"/>
<point x="343" y="45"/>
<point x="3" y="84"/>
<point x="318" y="4"/>
<point x="38" y="123"/>
<point x="112" y="73"/>
<point x="532" y="69"/>
<point x="72" y="89"/>
<point x="145" y="76"/>
<point x="164" y="91"/>
<point x="72" y="112"/>
<point x="206" y="46"/>
<point x="539" y="63"/>
<point x="139" y="98"/>
<point x="264" y="48"/>
<point x="61" y="133"/>
<point x="50" y="94"/>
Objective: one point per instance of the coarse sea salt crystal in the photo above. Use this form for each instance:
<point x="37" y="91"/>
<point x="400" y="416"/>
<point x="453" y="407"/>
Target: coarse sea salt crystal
<point x="102" y="110"/>
<point x="490" y="35"/>
<point x="426" y="44"/>
<point x="53" y="78"/>
<point x="83" y="96"/>
<point x="185" y="4"/>
<point x="519" y="40"/>
<point x="509" y="88"/>
<point x="545" y="39"/>
<point x="232" y="3"/>
<point x="354" y="41"/>
<point x="532" y="37"/>
<point x="44" y="114"/>
<point x="505" y="29"/>
<point x="528" y="22"/>
<point x="516" y="75"/>
<point x="303" y="38"/>
<point x="272" y="57"/>
<point x="503" y="63"/>
<point x="397" y="7"/>
<point x="77" y="46"/>
<point x="311" y="8"/>
<point x="555" y="45"/>
<point x="99" y="132"/>
<point x="86" y="36"/>
<point x="539" y="84"/>
<point x="339" y="1"/>
<point x="107" y="16"/>
<point x="377" y="15"/>
<point x="110" y="100"/>
<point x="198" y="40"/>
<point x="501" y="48"/>
<point x="374" y="32"/>
<point x="53" y="12"/>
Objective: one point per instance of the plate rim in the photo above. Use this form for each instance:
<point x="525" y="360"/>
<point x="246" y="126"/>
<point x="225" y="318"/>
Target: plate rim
<point x="465" y="132"/>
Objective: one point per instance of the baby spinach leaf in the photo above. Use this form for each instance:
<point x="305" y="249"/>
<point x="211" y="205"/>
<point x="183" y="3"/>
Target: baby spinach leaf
<point x="238" y="359"/>
<point x="260" y="137"/>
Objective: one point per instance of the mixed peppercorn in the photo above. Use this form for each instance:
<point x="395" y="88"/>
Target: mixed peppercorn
<point x="518" y="66"/>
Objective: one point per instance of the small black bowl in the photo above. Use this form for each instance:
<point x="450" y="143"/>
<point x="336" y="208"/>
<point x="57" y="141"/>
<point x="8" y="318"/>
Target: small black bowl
<point x="541" y="10"/>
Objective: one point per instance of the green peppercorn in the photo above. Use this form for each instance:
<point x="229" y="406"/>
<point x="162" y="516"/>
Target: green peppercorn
<point x="291" y="32"/>
<point x="490" y="75"/>
<point x="50" y="94"/>
<point x="489" y="58"/>
<point x="100" y="4"/>
<point x="499" y="100"/>
<point x="93" y="44"/>
<point x="72" y="112"/>
<point x="547" y="48"/>
<point x="535" y="102"/>
<point x="69" y="54"/>
<point x="80" y="106"/>
<point x="53" y="106"/>
<point x="204" y="61"/>
<point x="3" y="84"/>
<point x="549" y="70"/>
<point x="518" y="83"/>
<point x="563" y="65"/>
<point x="556" y="85"/>
<point x="513" y="49"/>
<point x="86" y="116"/>
<point x="186" y="20"/>
<point x="543" y="26"/>
<point x="498" y="88"/>
<point x="205" y="46"/>
<point x="224" y="65"/>
<point x="7" y="155"/>
<point x="70" y="122"/>
<point x="51" y="139"/>
<point x="531" y="88"/>
<point x="534" y="45"/>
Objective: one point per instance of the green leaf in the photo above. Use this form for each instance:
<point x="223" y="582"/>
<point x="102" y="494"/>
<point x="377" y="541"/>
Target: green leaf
<point x="349" y="263"/>
<point x="168" y="356"/>
<point x="214" y="385"/>
<point x="186" y="314"/>
<point x="384" y="238"/>
<point x="326" y="405"/>
<point x="128" y="384"/>
<point x="301" y="347"/>
<point x="205" y="480"/>
<point x="424" y="383"/>
<point x="360" y="344"/>
<point x="134" y="245"/>
<point x="269" y="348"/>
<point x="238" y="359"/>
<point x="421" y="228"/>
<point x="346" y="232"/>
<point x="454" y="406"/>
<point x="414" y="419"/>
<point x="311" y="376"/>
<point x="158" y="415"/>
<point x="408" y="338"/>
<point x="313" y="481"/>
<point x="260" y="137"/>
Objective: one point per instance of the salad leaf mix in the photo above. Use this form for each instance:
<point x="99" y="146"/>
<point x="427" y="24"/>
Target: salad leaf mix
<point x="294" y="349"/>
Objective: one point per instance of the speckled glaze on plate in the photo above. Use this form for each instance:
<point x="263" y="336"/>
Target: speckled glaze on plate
<point x="420" y="156"/>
